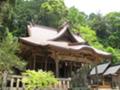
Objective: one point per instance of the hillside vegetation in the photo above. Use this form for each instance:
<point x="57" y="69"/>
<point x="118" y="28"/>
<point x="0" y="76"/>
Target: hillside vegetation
<point x="102" y="32"/>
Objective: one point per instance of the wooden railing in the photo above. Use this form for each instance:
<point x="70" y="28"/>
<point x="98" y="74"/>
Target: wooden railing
<point x="63" y="83"/>
<point x="14" y="82"/>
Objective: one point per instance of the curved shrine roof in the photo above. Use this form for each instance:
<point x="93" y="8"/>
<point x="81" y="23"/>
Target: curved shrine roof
<point x="101" y="68"/>
<point x="112" y="70"/>
<point x="46" y="36"/>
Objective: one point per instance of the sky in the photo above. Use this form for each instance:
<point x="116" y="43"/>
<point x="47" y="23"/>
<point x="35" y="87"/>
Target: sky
<point x="96" y="6"/>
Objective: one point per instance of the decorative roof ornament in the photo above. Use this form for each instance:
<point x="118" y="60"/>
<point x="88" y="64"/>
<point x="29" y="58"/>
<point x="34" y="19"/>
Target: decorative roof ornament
<point x="65" y="24"/>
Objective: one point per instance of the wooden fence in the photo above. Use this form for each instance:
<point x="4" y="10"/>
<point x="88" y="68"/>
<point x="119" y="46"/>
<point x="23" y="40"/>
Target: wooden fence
<point x="14" y="82"/>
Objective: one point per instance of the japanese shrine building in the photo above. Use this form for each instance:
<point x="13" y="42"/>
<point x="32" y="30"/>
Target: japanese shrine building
<point x="58" y="50"/>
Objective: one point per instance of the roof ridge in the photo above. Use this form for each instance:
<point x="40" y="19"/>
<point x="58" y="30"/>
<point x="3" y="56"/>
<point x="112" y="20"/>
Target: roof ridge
<point x="65" y="29"/>
<point x="113" y="65"/>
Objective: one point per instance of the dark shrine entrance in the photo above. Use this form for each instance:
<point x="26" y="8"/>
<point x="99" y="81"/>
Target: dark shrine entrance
<point x="65" y="67"/>
<point x="43" y="62"/>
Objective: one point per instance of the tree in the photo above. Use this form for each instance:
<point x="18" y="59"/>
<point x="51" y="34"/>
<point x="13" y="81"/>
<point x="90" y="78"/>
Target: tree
<point x="98" y="23"/>
<point x="114" y="39"/>
<point x="24" y="12"/>
<point x="6" y="15"/>
<point x="90" y="36"/>
<point x="17" y="14"/>
<point x="53" y="12"/>
<point x="8" y="50"/>
<point x="76" y="17"/>
<point x="113" y="20"/>
<point x="8" y="57"/>
<point x="79" y="78"/>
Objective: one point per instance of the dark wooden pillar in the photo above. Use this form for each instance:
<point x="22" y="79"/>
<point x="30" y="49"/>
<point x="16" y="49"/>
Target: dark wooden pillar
<point x="57" y="68"/>
<point x="30" y="62"/>
<point x="70" y="69"/>
<point x="96" y="72"/>
<point x="46" y="63"/>
<point x="34" y="61"/>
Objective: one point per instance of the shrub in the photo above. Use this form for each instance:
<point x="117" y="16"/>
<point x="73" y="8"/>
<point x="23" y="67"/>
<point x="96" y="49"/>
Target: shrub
<point x="38" y="79"/>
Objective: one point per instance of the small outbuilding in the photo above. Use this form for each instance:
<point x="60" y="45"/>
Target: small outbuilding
<point x="108" y="76"/>
<point x="114" y="73"/>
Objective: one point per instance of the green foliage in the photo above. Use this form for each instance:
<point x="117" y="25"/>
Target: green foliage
<point x="114" y="39"/>
<point x="76" y="17"/>
<point x="2" y="33"/>
<point x="25" y="12"/>
<point x="100" y="31"/>
<point x="115" y="54"/>
<point x="107" y="30"/>
<point x="8" y="50"/>
<point x="47" y="12"/>
<point x="113" y="19"/>
<point x="79" y="79"/>
<point x="53" y="12"/>
<point x="106" y="27"/>
<point x="38" y="80"/>
<point x="99" y="24"/>
<point x="90" y="36"/>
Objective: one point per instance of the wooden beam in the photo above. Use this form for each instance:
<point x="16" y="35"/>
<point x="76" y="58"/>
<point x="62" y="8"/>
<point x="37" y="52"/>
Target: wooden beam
<point x="71" y="58"/>
<point x="91" y="57"/>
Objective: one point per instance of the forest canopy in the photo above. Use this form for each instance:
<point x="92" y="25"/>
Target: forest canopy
<point x="102" y="32"/>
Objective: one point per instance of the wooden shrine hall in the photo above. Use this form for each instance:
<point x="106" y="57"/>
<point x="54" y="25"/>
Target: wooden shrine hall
<point x="58" y="50"/>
